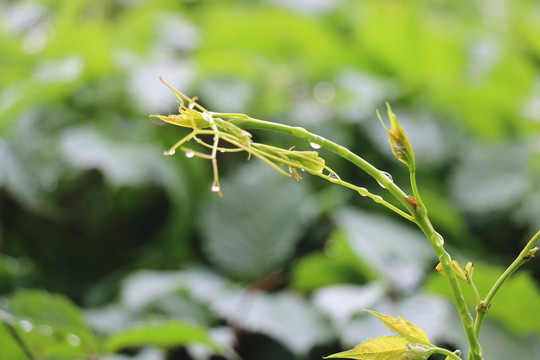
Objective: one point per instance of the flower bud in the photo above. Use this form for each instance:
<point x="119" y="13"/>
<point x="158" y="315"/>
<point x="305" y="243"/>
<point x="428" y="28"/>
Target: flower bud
<point x="401" y="147"/>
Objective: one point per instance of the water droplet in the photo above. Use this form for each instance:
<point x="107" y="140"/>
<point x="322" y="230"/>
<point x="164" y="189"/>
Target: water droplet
<point x="190" y="154"/>
<point x="169" y="152"/>
<point x="440" y="238"/>
<point x="26" y="325"/>
<point x="73" y="340"/>
<point x="388" y="176"/>
<point x="314" y="145"/>
<point x="215" y="188"/>
<point x="333" y="177"/>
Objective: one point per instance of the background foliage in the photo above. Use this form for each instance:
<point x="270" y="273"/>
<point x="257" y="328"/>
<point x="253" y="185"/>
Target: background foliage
<point x="135" y="258"/>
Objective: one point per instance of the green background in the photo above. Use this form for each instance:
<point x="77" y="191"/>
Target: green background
<point x="109" y="247"/>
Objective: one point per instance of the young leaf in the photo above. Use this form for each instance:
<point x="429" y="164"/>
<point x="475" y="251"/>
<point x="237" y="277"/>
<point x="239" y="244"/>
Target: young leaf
<point x="413" y="333"/>
<point x="381" y="348"/>
<point x="417" y="352"/>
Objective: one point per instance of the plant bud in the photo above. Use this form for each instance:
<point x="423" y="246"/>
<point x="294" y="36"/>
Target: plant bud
<point x="469" y="269"/>
<point x="455" y="267"/>
<point x="401" y="147"/>
<point x="307" y="160"/>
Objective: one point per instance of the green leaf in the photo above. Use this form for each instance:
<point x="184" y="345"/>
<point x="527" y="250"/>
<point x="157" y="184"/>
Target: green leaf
<point x="164" y="334"/>
<point x="10" y="349"/>
<point x="381" y="348"/>
<point x="399" y="325"/>
<point x="253" y="238"/>
<point x="51" y="325"/>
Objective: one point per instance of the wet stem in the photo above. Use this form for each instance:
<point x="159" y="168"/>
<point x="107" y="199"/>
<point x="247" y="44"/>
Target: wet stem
<point x="418" y="215"/>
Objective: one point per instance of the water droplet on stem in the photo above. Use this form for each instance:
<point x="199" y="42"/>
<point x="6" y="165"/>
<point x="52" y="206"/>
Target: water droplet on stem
<point x="440" y="238"/>
<point x="315" y="145"/>
<point x="215" y="188"/>
<point x="190" y="154"/>
<point x="333" y="177"/>
<point x="73" y="340"/>
<point x="26" y="326"/>
<point x="388" y="176"/>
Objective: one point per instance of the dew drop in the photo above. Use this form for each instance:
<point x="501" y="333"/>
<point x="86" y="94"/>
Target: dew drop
<point x="26" y="326"/>
<point x="315" y="145"/>
<point x="215" y="188"/>
<point x="73" y="340"/>
<point x="190" y="154"/>
<point x="440" y="238"/>
<point x="169" y="152"/>
<point x="388" y="176"/>
<point x="333" y="177"/>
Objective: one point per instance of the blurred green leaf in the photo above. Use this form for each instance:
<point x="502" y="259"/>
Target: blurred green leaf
<point x="10" y="349"/>
<point x="51" y="324"/>
<point x="399" y="254"/>
<point x="254" y="228"/>
<point x="167" y="334"/>
<point x="511" y="306"/>
<point x="288" y="318"/>
<point x="490" y="177"/>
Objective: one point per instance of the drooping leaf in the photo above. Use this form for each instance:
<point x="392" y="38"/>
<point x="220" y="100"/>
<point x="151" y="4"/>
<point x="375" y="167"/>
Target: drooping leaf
<point x="164" y="334"/>
<point x="381" y="348"/>
<point x="413" y="333"/>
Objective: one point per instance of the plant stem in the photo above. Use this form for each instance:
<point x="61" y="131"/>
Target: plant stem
<point x="475" y="351"/>
<point x="447" y="353"/>
<point x="524" y="256"/>
<point x="378" y="175"/>
<point x="419" y="213"/>
<point x="415" y="191"/>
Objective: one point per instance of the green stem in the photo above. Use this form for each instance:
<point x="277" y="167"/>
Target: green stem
<point x="523" y="257"/>
<point x="475" y="351"/>
<point x="416" y="193"/>
<point x="342" y="151"/>
<point x="419" y="213"/>
<point x="447" y="353"/>
<point x="476" y="295"/>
